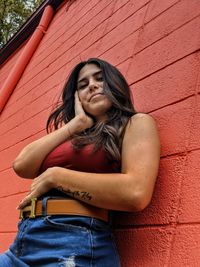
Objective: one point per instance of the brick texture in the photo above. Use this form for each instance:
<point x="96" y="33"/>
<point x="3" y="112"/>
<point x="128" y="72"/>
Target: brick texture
<point x="141" y="247"/>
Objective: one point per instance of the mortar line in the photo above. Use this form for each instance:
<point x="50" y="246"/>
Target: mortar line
<point x="27" y="104"/>
<point x="15" y="194"/>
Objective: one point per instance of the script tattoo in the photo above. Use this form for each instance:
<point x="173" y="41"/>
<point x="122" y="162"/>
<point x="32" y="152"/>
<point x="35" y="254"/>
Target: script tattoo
<point x="76" y="194"/>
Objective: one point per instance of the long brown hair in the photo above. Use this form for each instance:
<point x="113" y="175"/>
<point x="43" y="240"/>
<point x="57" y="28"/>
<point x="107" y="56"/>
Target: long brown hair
<point x="107" y="134"/>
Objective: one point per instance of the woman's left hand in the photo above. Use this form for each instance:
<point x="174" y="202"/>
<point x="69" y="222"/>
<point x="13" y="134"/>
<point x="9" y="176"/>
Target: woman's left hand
<point x="85" y="120"/>
<point x="40" y="185"/>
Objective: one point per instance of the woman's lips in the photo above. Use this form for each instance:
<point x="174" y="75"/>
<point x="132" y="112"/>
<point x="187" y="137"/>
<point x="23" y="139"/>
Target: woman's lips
<point x="95" y="96"/>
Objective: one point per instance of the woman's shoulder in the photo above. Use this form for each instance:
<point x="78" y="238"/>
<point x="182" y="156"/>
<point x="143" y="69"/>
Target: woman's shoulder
<point x="141" y="118"/>
<point x="141" y="131"/>
<point x="140" y="123"/>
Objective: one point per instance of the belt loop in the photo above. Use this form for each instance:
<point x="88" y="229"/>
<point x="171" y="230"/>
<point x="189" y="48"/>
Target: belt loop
<point x="44" y="206"/>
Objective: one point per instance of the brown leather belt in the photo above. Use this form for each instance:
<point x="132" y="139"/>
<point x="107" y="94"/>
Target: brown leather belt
<point x="63" y="207"/>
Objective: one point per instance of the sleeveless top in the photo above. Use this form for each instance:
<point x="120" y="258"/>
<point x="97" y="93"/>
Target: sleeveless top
<point x="84" y="160"/>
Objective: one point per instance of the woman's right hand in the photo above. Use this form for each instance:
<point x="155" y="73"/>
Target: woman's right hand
<point x="84" y="121"/>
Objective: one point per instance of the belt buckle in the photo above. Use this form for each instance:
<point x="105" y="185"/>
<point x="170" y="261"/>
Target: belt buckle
<point x="31" y="209"/>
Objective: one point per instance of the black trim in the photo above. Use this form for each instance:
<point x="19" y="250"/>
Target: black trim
<point x="26" y="30"/>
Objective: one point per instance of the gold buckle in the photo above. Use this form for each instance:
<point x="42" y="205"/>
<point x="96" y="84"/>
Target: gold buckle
<point x="31" y="209"/>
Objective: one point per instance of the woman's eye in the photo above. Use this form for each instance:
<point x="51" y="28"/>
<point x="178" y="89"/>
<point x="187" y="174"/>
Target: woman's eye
<point x="82" y="86"/>
<point x="99" y="78"/>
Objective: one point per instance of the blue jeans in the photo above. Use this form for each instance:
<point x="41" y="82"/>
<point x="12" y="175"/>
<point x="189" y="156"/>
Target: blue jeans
<point x="62" y="241"/>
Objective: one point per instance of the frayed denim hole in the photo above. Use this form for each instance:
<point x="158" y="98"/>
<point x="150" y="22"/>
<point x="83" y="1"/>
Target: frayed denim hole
<point x="67" y="262"/>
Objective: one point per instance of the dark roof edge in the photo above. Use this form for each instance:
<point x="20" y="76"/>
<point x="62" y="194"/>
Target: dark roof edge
<point x="26" y="30"/>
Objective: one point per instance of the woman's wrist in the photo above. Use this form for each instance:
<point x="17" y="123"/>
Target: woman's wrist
<point x="79" y="123"/>
<point x="57" y="174"/>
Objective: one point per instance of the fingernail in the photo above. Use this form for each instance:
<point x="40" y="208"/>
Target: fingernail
<point x="20" y="205"/>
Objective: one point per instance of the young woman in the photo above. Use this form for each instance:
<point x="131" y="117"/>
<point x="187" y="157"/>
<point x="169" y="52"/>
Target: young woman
<point x="100" y="156"/>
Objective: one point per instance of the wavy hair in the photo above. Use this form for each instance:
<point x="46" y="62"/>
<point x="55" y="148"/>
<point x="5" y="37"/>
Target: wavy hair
<point x="107" y="134"/>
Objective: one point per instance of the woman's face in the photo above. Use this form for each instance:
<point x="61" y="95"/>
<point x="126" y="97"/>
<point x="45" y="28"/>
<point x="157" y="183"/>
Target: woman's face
<point x="90" y="91"/>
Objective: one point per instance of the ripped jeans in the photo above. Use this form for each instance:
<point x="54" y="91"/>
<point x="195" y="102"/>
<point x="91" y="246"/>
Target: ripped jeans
<point x="62" y="241"/>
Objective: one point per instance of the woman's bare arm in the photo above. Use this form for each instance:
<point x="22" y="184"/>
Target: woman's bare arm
<point x="130" y="190"/>
<point x="28" y="162"/>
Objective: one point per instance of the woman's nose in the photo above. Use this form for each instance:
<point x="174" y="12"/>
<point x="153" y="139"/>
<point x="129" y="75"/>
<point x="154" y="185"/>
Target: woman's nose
<point x="92" y="86"/>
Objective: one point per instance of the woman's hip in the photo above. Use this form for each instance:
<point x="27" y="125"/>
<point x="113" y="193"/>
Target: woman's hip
<point x="63" y="240"/>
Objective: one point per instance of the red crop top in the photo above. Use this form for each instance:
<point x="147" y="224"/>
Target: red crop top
<point x="84" y="160"/>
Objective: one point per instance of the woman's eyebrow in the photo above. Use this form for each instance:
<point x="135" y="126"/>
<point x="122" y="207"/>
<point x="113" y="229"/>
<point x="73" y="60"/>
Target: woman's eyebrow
<point x="84" y="78"/>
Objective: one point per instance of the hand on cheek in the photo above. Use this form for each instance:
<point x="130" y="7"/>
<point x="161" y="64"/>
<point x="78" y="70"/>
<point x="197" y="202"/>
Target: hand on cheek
<point x="80" y="112"/>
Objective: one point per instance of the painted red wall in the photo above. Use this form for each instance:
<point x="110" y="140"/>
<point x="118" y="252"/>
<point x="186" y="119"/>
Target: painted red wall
<point x="156" y="46"/>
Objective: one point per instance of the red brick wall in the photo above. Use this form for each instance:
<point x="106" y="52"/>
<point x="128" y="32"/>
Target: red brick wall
<point x="156" y="46"/>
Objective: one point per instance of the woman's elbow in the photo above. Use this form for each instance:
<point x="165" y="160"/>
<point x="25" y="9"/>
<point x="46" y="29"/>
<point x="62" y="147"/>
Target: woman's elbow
<point x="18" y="167"/>
<point x="21" y="170"/>
<point x="138" y="202"/>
